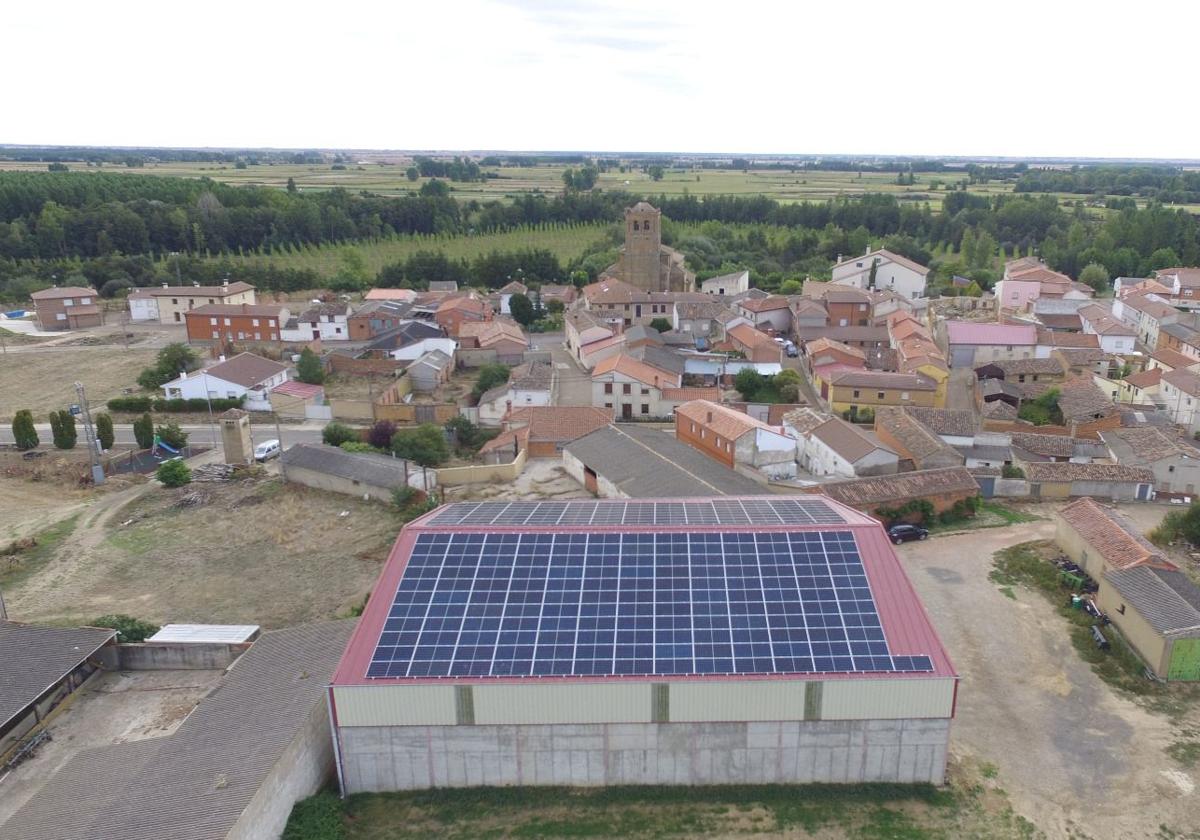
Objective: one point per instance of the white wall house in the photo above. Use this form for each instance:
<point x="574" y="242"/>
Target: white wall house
<point x="726" y="284"/>
<point x="414" y="351"/>
<point x="1114" y="334"/>
<point x="838" y="448"/>
<point x="326" y="323"/>
<point x="143" y="308"/>
<point x="245" y="375"/>
<point x="893" y="273"/>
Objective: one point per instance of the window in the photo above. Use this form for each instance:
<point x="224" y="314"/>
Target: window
<point x="645" y="408"/>
<point x="337" y="330"/>
<point x="85" y="301"/>
<point x="210" y="300"/>
<point x="212" y="321"/>
<point x="608" y="387"/>
<point x="227" y="322"/>
<point x="1010" y="348"/>
<point x="241" y="336"/>
<point x="862" y="307"/>
<point x="904" y="395"/>
<point x="254" y="322"/>
<point x="232" y="395"/>
<point x="626" y="388"/>
<point x="1171" y="468"/>
<point x="258" y="336"/>
<point x="693" y="428"/>
<point x="274" y="337"/>
<point x="856" y="394"/>
<point x="843" y="322"/>
<point x="879" y="395"/>
<point x="61" y="316"/>
<point x="270" y="322"/>
<point x="608" y="405"/>
<point x="635" y="226"/>
<point x="174" y="301"/>
<point x="68" y="302"/>
<point x="701" y="433"/>
<point x="216" y="334"/>
<point x="645" y="392"/>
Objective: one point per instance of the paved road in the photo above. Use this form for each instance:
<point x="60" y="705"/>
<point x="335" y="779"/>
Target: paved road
<point x="200" y="435"/>
<point x="572" y="384"/>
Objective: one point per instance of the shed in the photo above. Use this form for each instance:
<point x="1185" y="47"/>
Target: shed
<point x="353" y="473"/>
<point x="430" y="371"/>
<point x="1158" y="612"/>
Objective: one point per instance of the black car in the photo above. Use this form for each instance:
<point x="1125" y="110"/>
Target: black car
<point x="904" y="533"/>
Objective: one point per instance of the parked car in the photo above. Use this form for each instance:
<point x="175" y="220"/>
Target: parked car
<point x="266" y="450"/>
<point x="792" y="350"/>
<point x="905" y="533"/>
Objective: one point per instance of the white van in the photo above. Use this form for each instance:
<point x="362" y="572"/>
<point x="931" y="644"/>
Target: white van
<point x="266" y="450"/>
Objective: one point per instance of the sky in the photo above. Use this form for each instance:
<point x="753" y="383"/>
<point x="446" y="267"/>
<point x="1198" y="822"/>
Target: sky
<point x="1054" y="78"/>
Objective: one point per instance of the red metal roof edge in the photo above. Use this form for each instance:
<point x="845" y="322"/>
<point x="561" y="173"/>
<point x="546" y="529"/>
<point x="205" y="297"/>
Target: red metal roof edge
<point x="909" y="631"/>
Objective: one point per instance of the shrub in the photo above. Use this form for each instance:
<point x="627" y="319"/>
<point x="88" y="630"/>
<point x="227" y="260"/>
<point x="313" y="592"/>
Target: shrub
<point x="960" y="510"/>
<point x="130" y="404"/>
<point x="661" y="324"/>
<point x="173" y="473"/>
<point x="24" y="433"/>
<point x="62" y="429"/>
<point x="380" y="435"/>
<point x="335" y="434"/>
<point x="143" y="431"/>
<point x="425" y="445"/>
<point x="317" y="818"/>
<point x="916" y="511"/>
<point x="467" y="435"/>
<point x="489" y="377"/>
<point x="104" y="430"/>
<point x="173" y="406"/>
<point x="1011" y="471"/>
<point x="403" y="496"/>
<point x="172" y="435"/>
<point x="309" y="369"/>
<point x="129" y="629"/>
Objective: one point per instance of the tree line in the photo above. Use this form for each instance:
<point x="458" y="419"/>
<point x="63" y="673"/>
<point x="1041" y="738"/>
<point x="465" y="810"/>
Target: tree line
<point x="1167" y="184"/>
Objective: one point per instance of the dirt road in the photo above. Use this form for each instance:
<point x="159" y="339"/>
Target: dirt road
<point x="1076" y="758"/>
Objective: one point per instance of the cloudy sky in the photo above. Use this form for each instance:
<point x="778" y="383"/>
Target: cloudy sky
<point x="1018" y="78"/>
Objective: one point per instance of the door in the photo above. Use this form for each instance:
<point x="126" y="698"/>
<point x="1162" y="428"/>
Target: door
<point x="626" y="411"/>
<point x="316" y="333"/>
<point x="589" y="480"/>
<point x="1185" y="660"/>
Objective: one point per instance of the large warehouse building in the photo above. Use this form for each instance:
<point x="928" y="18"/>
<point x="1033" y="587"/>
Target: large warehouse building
<point x="698" y="641"/>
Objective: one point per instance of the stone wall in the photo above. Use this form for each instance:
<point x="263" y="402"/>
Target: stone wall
<point x="409" y="757"/>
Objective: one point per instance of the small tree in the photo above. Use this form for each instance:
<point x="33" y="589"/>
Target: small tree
<point x="129" y="629"/>
<point x="749" y="382"/>
<point x="143" y="431"/>
<point x="309" y="369"/>
<point x="425" y="445"/>
<point x="335" y="434"/>
<point x="660" y="324"/>
<point x="521" y="309"/>
<point x="1095" y="275"/>
<point x="381" y="434"/>
<point x="173" y="473"/>
<point x="104" y="430"/>
<point x="412" y="173"/>
<point x="62" y="427"/>
<point x="489" y="377"/>
<point x="172" y="435"/>
<point x="24" y="433"/>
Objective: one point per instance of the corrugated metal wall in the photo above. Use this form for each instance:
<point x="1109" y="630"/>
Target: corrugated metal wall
<point x="887" y="699"/>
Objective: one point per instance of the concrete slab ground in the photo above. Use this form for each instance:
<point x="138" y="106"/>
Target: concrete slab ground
<point x="113" y="708"/>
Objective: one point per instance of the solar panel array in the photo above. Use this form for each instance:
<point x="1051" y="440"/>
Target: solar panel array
<point x="764" y="511"/>
<point x="611" y="603"/>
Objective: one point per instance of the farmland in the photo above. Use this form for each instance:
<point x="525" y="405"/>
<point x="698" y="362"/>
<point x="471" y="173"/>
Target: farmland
<point x="43" y="379"/>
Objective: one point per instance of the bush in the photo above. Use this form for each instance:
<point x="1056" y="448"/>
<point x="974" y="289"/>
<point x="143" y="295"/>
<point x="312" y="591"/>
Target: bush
<point x="425" y="445"/>
<point x="1011" y="471"/>
<point x="661" y="324"/>
<point x="915" y="511"/>
<point x="357" y="446"/>
<point x="104" y="430"/>
<point x="173" y="473"/>
<point x="467" y="435"/>
<point x="24" y="433"/>
<point x="129" y="629"/>
<point x="172" y="435"/>
<point x="335" y="434"/>
<point x="309" y="369"/>
<point x="143" y="431"/>
<point x="317" y="818"/>
<point x="489" y="377"/>
<point x="62" y="429"/>
<point x="404" y="496"/>
<point x="131" y="404"/>
<point x="380" y="435"/>
<point x="961" y="510"/>
<point x="176" y="405"/>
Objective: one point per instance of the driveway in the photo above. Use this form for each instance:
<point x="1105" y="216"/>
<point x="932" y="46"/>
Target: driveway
<point x="960" y="391"/>
<point x="1076" y="758"/>
<point x="572" y="384"/>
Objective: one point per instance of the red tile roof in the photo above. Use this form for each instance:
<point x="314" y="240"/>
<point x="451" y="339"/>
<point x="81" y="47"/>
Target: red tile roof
<point x="301" y="390"/>
<point x="560" y="423"/>
<point x="1112" y="535"/>
<point x="721" y="420"/>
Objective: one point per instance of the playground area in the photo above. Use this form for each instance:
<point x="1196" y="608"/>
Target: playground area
<point x="141" y="461"/>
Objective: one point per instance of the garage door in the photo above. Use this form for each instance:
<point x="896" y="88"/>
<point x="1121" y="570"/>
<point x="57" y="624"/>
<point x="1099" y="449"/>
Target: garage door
<point x="1185" y="660"/>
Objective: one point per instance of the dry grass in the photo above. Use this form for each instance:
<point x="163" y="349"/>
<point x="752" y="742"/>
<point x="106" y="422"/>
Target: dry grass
<point x="43" y="381"/>
<point x="256" y="551"/>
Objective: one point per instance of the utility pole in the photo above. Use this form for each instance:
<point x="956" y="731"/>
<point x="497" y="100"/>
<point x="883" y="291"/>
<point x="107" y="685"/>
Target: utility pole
<point x="279" y="437"/>
<point x="90" y="434"/>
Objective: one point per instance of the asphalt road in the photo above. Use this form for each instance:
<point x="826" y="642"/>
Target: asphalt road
<point x="202" y="435"/>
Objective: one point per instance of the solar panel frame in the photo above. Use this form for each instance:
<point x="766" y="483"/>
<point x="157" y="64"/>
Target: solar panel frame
<point x="765" y="510"/>
<point x="478" y="604"/>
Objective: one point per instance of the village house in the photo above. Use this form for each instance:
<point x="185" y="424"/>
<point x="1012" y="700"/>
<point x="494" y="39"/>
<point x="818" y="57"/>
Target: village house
<point x="611" y="300"/>
<point x="1146" y="314"/>
<point x="772" y="313"/>
<point x="634" y="388"/>
<point x="1180" y="337"/>
<point x="837" y="448"/>
<point x="1123" y="287"/>
<point x="455" y="311"/>
<point x="736" y="439"/>
<point x="543" y="431"/>
<point x="1176" y="466"/>
<point x="323" y="322"/>
<point x="1099" y="540"/>
<point x="429" y="371"/>
<point x="217" y="322"/>
<point x="975" y="343"/>
<point x="1179" y="392"/>
<point x="66" y="308"/>
<point x="754" y="345"/>
<point x="528" y="384"/>
<point x="882" y="269"/>
<point x="1066" y="479"/>
<point x="504" y="295"/>
<point x="845" y="306"/>
<point x="167" y="304"/>
<point x="502" y="336"/>
<point x="1140" y="388"/>
<point x="854" y="391"/>
<point x="704" y="319"/>
<point x="1184" y="284"/>
<point x="564" y="294"/>
<point x="1021" y="371"/>
<point x="942" y="488"/>
<point x="807" y="312"/>
<point x="376" y="317"/>
<point x="1115" y="335"/>
<point x="245" y="376"/>
<point x="913" y="442"/>
<point x="871" y="339"/>
<point x="726" y="284"/>
<point x="581" y="328"/>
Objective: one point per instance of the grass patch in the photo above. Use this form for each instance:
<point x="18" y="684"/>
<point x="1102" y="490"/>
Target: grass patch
<point x="23" y="562"/>
<point x="1187" y="753"/>
<point x="989" y="514"/>
<point x="1028" y="564"/>
<point x="865" y="812"/>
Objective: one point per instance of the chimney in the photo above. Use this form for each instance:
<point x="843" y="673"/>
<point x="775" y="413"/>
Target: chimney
<point x="867" y="251"/>
<point x="165" y="286"/>
<point x="221" y="358"/>
<point x="225" y="282"/>
<point x="709" y="420"/>
<point x="839" y="258"/>
<point x="183" y="374"/>
<point x="196" y="284"/>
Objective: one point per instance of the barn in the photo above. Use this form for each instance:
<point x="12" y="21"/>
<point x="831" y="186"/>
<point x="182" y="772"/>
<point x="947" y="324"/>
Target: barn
<point x="691" y="641"/>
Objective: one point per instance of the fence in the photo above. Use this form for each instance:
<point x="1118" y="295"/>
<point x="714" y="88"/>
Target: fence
<point x="482" y="473"/>
<point x="439" y="413"/>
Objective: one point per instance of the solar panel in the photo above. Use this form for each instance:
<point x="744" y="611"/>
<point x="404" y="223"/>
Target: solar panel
<point x="762" y="511"/>
<point x="609" y="603"/>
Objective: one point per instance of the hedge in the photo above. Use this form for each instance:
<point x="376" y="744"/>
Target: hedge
<point x="142" y="404"/>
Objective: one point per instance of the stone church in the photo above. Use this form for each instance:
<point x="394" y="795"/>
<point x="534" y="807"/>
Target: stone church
<point x="645" y="262"/>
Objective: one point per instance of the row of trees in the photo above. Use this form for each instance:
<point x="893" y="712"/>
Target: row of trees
<point x="62" y="430"/>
